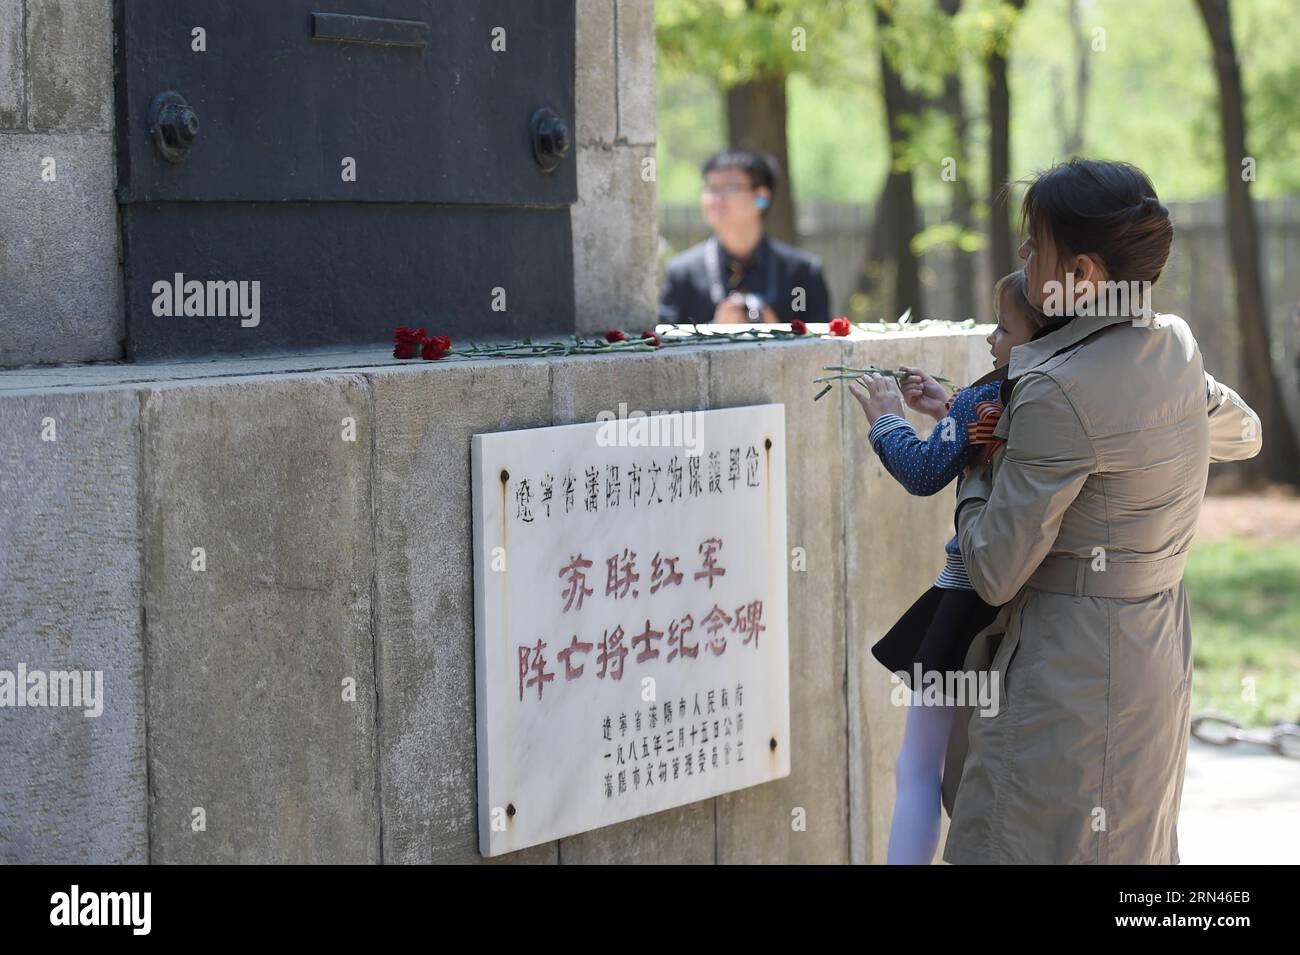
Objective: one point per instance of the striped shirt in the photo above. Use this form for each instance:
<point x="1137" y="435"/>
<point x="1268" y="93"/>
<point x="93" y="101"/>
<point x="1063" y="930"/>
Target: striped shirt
<point x="925" y="467"/>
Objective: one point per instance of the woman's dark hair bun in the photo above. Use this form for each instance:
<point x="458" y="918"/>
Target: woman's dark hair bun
<point x="1106" y="209"/>
<point x="1152" y="206"/>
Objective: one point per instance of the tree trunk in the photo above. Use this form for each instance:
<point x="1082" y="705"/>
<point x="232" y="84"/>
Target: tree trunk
<point x="1278" y="458"/>
<point x="756" y="118"/>
<point x="871" y="277"/>
<point x="1071" y="123"/>
<point x="1001" y="240"/>
<point x="1083" y="53"/>
<point x="896" y="214"/>
<point x="960" y="210"/>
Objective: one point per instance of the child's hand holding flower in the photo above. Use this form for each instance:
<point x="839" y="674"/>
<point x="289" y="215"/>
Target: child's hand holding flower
<point x="922" y="393"/>
<point x="878" y="395"/>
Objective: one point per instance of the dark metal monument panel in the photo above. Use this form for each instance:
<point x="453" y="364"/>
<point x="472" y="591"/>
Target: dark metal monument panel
<point x="412" y="90"/>
<point x="367" y="163"/>
<point x="342" y="274"/>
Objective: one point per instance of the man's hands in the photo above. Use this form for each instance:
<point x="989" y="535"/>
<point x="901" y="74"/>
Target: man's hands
<point x="731" y="311"/>
<point x="879" y="396"/>
<point x="922" y="393"/>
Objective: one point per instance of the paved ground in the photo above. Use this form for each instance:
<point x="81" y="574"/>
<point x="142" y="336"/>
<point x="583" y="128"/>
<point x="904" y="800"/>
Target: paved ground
<point x="1271" y="514"/>
<point x="1241" y="804"/>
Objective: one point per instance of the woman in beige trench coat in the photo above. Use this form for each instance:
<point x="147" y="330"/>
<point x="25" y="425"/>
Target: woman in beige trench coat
<point x="1080" y="526"/>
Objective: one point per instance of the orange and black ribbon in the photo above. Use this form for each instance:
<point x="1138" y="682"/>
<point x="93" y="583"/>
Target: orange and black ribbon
<point x="980" y="431"/>
<point x="987" y="413"/>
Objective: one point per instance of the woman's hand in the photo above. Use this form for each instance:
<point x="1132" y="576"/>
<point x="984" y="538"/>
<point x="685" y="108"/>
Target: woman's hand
<point x="922" y="393"/>
<point x="878" y="395"/>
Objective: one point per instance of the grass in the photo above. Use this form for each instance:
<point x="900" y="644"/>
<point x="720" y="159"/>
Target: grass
<point x="1245" y="600"/>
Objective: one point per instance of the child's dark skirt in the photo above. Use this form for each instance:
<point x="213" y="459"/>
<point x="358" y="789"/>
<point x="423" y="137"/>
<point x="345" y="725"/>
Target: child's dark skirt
<point x="936" y="632"/>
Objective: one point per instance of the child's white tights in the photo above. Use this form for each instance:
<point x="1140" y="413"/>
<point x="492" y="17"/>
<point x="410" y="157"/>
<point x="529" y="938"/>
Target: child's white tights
<point x="918" y="773"/>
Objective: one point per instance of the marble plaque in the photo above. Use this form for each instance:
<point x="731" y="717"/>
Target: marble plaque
<point x="631" y="618"/>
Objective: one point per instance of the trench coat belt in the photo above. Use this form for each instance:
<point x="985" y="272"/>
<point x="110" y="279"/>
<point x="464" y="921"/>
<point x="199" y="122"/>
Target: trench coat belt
<point x="1076" y="576"/>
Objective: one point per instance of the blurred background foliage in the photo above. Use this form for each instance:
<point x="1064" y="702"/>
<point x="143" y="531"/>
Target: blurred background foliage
<point x="1151" y="93"/>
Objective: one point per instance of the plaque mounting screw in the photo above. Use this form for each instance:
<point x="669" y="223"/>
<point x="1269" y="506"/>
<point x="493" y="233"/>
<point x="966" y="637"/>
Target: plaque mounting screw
<point x="550" y="138"/>
<point x="173" y="125"/>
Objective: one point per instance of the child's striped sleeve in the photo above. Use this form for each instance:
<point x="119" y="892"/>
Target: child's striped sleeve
<point x="927" y="466"/>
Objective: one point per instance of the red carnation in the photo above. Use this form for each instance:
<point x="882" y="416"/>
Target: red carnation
<point x="406" y="341"/>
<point x="839" y="326"/>
<point x="798" y="327"/>
<point x="652" y="336"/>
<point x="615" y="335"/>
<point x="435" y="347"/>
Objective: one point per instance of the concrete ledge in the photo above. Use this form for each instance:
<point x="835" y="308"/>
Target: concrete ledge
<point x="424" y="621"/>
<point x="330" y="559"/>
<point x="804" y="817"/>
<point x="72" y="787"/>
<point x="250" y="721"/>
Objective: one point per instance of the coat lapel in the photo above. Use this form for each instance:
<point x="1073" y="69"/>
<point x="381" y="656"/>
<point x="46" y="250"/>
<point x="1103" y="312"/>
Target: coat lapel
<point x="1053" y="338"/>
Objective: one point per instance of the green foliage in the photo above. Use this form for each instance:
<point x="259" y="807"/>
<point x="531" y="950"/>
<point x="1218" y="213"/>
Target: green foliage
<point x="924" y="44"/>
<point x="1152" y="98"/>
<point x="947" y="234"/>
<point x="1245" y="605"/>
<point x="735" y="41"/>
<point x="691" y="126"/>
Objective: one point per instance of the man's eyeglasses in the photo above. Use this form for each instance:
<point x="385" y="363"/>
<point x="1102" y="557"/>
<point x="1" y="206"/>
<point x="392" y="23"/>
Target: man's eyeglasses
<point x="724" y="191"/>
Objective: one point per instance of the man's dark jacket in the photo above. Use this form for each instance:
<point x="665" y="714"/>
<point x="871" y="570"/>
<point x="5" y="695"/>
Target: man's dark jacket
<point x="774" y="273"/>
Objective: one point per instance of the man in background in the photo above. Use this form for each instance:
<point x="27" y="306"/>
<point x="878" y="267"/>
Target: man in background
<point x="740" y="274"/>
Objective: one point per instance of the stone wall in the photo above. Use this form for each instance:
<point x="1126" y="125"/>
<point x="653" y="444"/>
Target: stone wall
<point x="615" y="229"/>
<point x="60" y="277"/>
<point x="60" y="282"/>
<point x="328" y="559"/>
